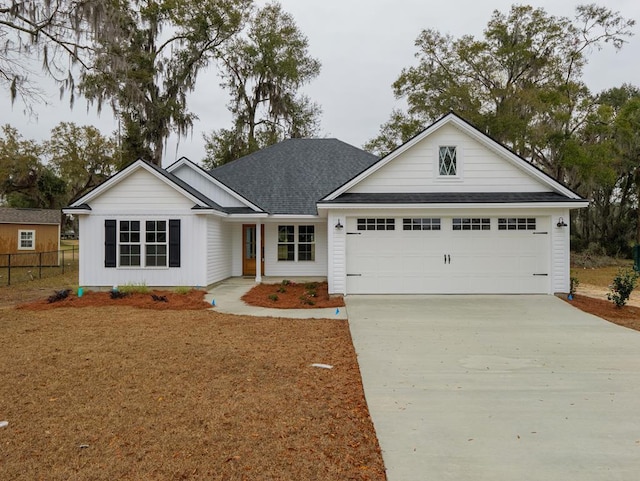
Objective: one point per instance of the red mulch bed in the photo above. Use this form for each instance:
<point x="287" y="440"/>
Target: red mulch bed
<point x="295" y="296"/>
<point x="627" y="316"/>
<point x="166" y="300"/>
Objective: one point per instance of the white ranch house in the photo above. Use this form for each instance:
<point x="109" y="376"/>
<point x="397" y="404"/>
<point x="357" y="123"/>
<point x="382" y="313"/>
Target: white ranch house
<point x="450" y="211"/>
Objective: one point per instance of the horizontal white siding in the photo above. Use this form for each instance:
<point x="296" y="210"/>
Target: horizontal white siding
<point x="141" y="191"/>
<point x="274" y="267"/>
<point x="560" y="253"/>
<point x="236" y="250"/>
<point x="336" y="249"/>
<point x="416" y="169"/>
<point x="192" y="271"/>
<point x="206" y="186"/>
<point x="218" y="250"/>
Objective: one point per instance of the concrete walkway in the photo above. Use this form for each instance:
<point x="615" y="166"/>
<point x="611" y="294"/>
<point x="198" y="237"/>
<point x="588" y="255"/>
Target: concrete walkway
<point x="498" y="388"/>
<point x="227" y="296"/>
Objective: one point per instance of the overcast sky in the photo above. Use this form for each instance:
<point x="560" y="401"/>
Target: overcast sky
<point x="362" y="45"/>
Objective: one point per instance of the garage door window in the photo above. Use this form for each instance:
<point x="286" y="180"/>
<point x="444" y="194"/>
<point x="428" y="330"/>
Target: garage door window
<point x="471" y="223"/>
<point x="421" y="224"/>
<point x="376" y="224"/>
<point x="513" y="223"/>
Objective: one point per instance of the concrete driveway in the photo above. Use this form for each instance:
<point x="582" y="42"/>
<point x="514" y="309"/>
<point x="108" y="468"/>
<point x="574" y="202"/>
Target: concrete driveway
<point x="498" y="388"/>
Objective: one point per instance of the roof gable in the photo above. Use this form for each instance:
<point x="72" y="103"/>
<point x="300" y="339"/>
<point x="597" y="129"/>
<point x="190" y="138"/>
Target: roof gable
<point x="173" y="186"/>
<point x="485" y="166"/>
<point x="197" y="177"/>
<point x="292" y="176"/>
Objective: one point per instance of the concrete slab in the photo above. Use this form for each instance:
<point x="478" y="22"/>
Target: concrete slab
<point x="498" y="388"/>
<point x="227" y="296"/>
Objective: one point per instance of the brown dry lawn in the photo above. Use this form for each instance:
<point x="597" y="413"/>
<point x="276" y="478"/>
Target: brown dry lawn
<point x="118" y="392"/>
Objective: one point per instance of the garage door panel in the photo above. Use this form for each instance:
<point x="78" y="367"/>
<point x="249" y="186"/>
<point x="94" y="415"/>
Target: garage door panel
<point x="447" y="261"/>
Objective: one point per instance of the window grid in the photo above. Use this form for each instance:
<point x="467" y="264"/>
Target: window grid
<point x="447" y="161"/>
<point x="130" y="246"/>
<point x="376" y="224"/>
<point x="26" y="239"/>
<point x="513" y="223"/>
<point x="286" y="243"/>
<point x="471" y="223"/>
<point x="156" y="243"/>
<point x="421" y="224"/>
<point x="306" y="243"/>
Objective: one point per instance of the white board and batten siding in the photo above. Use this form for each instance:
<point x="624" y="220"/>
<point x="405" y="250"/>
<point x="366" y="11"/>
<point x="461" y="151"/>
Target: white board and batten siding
<point x="415" y="170"/>
<point x="141" y="196"/>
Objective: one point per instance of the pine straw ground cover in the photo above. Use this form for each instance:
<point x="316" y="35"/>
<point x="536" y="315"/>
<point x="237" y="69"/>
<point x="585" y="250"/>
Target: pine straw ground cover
<point x="291" y="295"/>
<point x="626" y="316"/>
<point x="116" y="392"/>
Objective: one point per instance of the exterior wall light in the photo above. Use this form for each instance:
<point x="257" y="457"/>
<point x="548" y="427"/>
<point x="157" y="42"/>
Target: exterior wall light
<point x="561" y="222"/>
<point x="339" y="226"/>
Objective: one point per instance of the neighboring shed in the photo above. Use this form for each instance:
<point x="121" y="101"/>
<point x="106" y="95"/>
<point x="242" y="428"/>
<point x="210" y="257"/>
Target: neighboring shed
<point x="29" y="230"/>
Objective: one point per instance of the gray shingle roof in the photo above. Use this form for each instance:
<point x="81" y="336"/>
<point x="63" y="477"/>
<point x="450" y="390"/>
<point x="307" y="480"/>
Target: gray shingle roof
<point x="291" y="176"/>
<point x="451" y="198"/>
<point x="9" y="215"/>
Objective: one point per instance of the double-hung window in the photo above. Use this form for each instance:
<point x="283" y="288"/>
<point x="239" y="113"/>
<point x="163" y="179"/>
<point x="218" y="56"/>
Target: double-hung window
<point x="26" y="240"/>
<point x="130" y="245"/>
<point x="156" y="243"/>
<point x="296" y="243"/>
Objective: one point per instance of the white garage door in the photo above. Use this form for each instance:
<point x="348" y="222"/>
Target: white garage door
<point x="448" y="255"/>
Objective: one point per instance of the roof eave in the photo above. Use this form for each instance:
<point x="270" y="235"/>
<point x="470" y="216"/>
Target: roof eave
<point x="570" y="204"/>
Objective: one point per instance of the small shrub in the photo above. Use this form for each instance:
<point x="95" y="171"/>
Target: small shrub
<point x="311" y="286"/>
<point x="273" y="297"/>
<point x="282" y="290"/>
<point x="307" y="300"/>
<point x="182" y="290"/>
<point x="623" y="285"/>
<point x="119" y="294"/>
<point x="312" y="293"/>
<point x="58" y="295"/>
<point x="286" y="282"/>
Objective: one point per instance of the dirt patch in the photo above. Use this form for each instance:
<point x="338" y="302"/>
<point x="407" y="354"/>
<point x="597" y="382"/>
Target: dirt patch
<point x="123" y="393"/>
<point x="156" y="299"/>
<point x="627" y="316"/>
<point x="291" y="295"/>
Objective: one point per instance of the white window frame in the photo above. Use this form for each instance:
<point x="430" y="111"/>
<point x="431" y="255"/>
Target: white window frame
<point x="32" y="247"/>
<point x="311" y="243"/>
<point x="459" y="165"/>
<point x="142" y="243"/>
<point x="296" y="243"/>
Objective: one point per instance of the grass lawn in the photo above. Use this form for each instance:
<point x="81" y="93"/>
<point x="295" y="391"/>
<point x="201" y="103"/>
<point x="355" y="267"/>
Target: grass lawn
<point x="106" y="393"/>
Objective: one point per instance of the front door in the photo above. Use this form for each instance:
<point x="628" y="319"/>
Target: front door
<point x="249" y="246"/>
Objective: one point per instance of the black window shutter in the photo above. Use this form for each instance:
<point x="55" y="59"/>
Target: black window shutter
<point x="109" y="243"/>
<point x="174" y="242"/>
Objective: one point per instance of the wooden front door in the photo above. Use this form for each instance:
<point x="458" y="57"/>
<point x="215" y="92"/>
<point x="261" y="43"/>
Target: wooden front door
<point x="249" y="246"/>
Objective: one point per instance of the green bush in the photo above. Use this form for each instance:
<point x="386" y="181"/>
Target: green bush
<point x="623" y="285"/>
<point x="182" y="290"/>
<point x="273" y="297"/>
